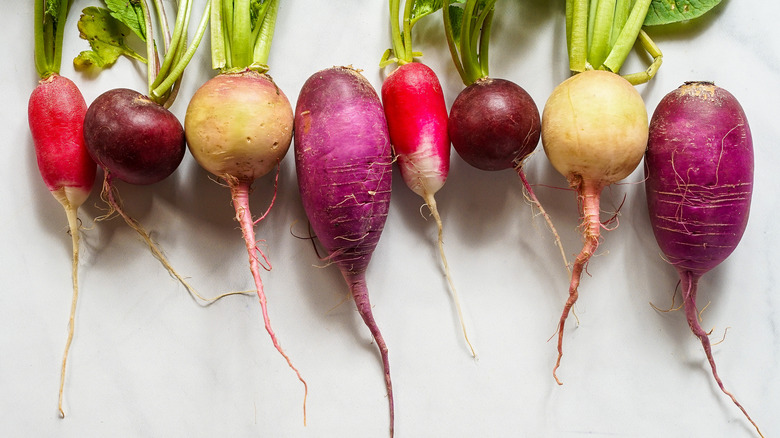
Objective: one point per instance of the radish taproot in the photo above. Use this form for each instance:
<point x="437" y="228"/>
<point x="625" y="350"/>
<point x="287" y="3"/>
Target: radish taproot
<point x="239" y="123"/>
<point x="494" y="124"/>
<point x="417" y="120"/>
<point x="133" y="137"/>
<point x="55" y="113"/>
<point x="594" y="124"/>
<point x="344" y="166"/>
<point x="699" y="184"/>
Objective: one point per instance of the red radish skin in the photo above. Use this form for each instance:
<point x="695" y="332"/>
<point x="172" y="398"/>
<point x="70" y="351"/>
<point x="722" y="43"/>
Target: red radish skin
<point x="344" y="167"/>
<point x="417" y="122"/>
<point x="55" y="112"/>
<point x="239" y="127"/>
<point x="132" y="137"/>
<point x="494" y="124"/>
<point x="699" y="168"/>
<point x="594" y="131"/>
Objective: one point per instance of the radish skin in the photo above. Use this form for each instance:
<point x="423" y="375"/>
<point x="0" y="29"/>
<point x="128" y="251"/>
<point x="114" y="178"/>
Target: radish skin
<point x="344" y="166"/>
<point x="699" y="169"/>
<point x="594" y="132"/>
<point x="55" y="113"/>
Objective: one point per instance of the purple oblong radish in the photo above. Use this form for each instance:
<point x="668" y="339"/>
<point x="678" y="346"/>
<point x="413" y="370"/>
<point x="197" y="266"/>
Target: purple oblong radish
<point x="344" y="166"/>
<point x="699" y="168"/>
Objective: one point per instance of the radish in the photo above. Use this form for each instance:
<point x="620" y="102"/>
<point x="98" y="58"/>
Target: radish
<point x="494" y="123"/>
<point x="699" y="169"/>
<point x="344" y="167"/>
<point x="55" y="113"/>
<point x="417" y="122"/>
<point x="132" y="137"/>
<point x="239" y="123"/>
<point x="594" y="124"/>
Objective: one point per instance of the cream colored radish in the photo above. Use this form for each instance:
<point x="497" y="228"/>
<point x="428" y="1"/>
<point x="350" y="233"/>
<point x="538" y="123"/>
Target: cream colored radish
<point x="580" y="104"/>
<point x="245" y="139"/>
<point x="594" y="131"/>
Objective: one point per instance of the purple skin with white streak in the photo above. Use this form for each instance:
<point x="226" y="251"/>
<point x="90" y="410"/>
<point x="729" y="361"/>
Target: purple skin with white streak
<point x="699" y="169"/>
<point x="344" y="165"/>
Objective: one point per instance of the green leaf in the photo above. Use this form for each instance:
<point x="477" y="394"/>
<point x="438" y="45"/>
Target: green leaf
<point x="53" y="8"/>
<point x="129" y="12"/>
<point x="674" y="11"/>
<point x="106" y="37"/>
<point x="421" y="8"/>
<point x="456" y="21"/>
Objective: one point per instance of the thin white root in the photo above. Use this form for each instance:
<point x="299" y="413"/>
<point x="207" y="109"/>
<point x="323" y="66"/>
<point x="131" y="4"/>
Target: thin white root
<point x="73" y="225"/>
<point x="431" y="202"/>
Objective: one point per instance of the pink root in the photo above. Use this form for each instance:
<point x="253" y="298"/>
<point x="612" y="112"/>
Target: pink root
<point x="690" y="284"/>
<point x="589" y="195"/>
<point x="239" y="191"/>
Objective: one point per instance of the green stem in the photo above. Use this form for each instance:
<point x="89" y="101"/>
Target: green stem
<point x="48" y="35"/>
<point x="628" y="36"/>
<point x="162" y="18"/>
<point x="175" y="44"/>
<point x="407" y="55"/>
<point x="485" y="24"/>
<point x="467" y="50"/>
<point x="448" y="33"/>
<point x="395" y="31"/>
<point x="267" y="26"/>
<point x="259" y="19"/>
<point x="178" y="69"/>
<point x="601" y="32"/>
<point x="577" y="12"/>
<point x="151" y="52"/>
<point x="218" y="49"/>
<point x="240" y="44"/>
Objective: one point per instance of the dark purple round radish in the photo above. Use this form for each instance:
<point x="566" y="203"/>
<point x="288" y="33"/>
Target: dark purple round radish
<point x="494" y="124"/>
<point x="132" y="137"/>
<point x="699" y="168"/>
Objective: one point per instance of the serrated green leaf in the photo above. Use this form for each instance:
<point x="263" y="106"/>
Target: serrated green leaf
<point x="129" y="12"/>
<point x="106" y="37"/>
<point x="673" y="11"/>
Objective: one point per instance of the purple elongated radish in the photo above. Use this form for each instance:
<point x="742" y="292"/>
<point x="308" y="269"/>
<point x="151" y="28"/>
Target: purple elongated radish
<point x="699" y="168"/>
<point x="344" y="166"/>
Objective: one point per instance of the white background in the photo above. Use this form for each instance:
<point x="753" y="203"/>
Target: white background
<point x="147" y="360"/>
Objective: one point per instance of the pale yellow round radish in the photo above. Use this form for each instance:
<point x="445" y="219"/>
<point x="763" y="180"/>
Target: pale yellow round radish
<point x="594" y="131"/>
<point x="594" y="127"/>
<point x="239" y="125"/>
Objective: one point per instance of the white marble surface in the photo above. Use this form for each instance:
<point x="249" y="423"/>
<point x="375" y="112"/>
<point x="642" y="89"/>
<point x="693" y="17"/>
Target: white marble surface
<point x="147" y="361"/>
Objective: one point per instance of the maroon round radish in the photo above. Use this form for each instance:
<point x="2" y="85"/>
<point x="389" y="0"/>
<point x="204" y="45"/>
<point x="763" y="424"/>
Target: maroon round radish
<point x="494" y="124"/>
<point x="699" y="169"/>
<point x="132" y="137"/>
<point x="344" y="166"/>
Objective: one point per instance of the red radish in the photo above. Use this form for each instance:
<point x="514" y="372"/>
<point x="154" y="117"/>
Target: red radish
<point x="344" y="167"/>
<point x="239" y="125"/>
<point x="134" y="137"/>
<point x="699" y="168"/>
<point x="55" y="113"/>
<point x="417" y="122"/>
<point x="594" y="131"/>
